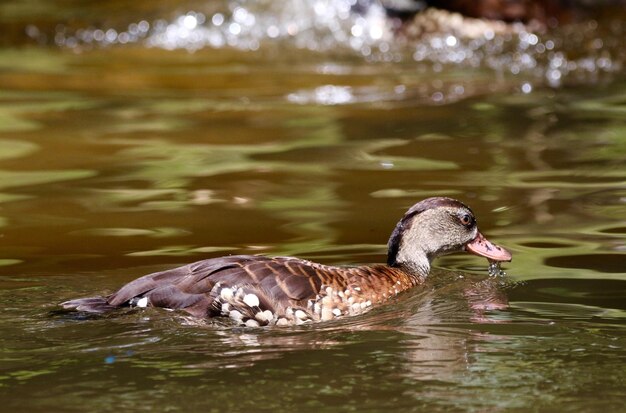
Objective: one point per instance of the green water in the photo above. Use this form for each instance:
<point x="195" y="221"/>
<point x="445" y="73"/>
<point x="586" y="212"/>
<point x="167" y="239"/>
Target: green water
<point x="118" y="161"/>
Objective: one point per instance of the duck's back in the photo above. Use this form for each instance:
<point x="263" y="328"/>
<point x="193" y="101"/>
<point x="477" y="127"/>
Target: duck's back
<point x="236" y="286"/>
<point x="257" y="290"/>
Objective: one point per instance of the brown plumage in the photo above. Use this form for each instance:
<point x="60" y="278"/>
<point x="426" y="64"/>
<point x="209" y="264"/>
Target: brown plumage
<point x="257" y="290"/>
<point x="512" y="10"/>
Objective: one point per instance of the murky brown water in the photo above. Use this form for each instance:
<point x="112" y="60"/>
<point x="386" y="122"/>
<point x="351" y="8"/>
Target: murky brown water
<point x="116" y="161"/>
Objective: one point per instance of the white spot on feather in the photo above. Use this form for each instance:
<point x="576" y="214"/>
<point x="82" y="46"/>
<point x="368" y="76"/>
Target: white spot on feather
<point x="226" y="294"/>
<point x="264" y="316"/>
<point x="143" y="302"/>
<point x="300" y="314"/>
<point x="251" y="300"/>
<point x="252" y="323"/>
<point x="337" y="312"/>
<point x="235" y="315"/>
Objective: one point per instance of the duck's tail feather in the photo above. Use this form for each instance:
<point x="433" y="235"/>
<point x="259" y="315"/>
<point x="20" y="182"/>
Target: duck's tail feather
<point x="89" y="304"/>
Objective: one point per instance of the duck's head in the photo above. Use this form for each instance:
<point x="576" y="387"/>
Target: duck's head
<point x="438" y="226"/>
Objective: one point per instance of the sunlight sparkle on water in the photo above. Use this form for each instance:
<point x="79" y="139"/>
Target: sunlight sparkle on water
<point x="365" y="29"/>
<point x="324" y="95"/>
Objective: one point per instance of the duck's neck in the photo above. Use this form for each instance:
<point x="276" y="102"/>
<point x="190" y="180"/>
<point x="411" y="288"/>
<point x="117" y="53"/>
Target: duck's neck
<point x="419" y="272"/>
<point x="416" y="263"/>
<point x="411" y="247"/>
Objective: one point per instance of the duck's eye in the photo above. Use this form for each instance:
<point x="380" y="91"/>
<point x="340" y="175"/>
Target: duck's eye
<point x="467" y="220"/>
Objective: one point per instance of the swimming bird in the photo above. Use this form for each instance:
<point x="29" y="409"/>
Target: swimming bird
<point x="256" y="290"/>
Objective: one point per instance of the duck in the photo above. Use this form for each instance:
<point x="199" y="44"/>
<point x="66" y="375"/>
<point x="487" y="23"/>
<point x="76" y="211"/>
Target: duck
<point x="256" y="290"/>
<point x="512" y="10"/>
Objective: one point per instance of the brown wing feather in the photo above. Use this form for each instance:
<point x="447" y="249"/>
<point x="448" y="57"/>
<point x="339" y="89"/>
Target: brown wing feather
<point x="278" y="282"/>
<point x="281" y="279"/>
<point x="190" y="279"/>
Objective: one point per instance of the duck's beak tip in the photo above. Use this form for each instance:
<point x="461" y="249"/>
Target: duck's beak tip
<point x="483" y="247"/>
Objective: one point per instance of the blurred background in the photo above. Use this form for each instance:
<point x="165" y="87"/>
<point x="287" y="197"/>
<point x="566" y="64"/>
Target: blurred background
<point x="138" y="136"/>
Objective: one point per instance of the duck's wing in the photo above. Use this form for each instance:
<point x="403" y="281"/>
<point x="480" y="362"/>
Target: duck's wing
<point x="183" y="283"/>
<point x="276" y="282"/>
<point x="179" y="287"/>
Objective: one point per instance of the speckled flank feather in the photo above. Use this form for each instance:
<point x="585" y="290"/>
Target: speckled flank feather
<point x="258" y="291"/>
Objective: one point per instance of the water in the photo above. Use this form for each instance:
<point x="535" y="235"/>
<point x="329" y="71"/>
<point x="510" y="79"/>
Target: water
<point x="495" y="269"/>
<point x="120" y="160"/>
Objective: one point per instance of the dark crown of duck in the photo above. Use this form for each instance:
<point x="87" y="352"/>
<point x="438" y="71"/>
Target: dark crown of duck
<point x="255" y="290"/>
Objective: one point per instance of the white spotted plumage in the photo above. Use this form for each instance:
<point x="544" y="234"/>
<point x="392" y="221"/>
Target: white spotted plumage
<point x="251" y="300"/>
<point x="264" y="316"/>
<point x="235" y="315"/>
<point x="142" y="302"/>
<point x="226" y="294"/>
<point x="242" y="304"/>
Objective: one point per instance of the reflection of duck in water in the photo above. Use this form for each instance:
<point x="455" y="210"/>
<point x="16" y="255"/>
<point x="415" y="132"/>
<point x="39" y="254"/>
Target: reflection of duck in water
<point x="257" y="290"/>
